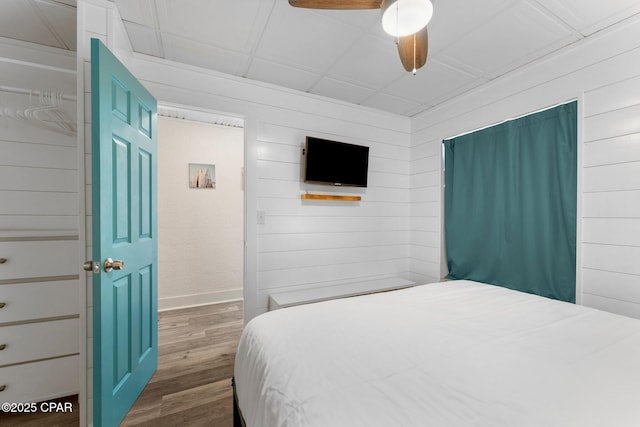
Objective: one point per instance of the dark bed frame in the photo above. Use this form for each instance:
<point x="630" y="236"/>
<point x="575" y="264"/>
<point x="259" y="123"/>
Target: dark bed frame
<point x="238" y="420"/>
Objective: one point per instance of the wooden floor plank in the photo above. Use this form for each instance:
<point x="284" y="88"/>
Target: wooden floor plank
<point x="192" y="386"/>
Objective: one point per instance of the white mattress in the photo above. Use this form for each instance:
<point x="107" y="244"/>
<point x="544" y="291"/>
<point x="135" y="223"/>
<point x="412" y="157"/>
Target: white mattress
<point x="447" y="354"/>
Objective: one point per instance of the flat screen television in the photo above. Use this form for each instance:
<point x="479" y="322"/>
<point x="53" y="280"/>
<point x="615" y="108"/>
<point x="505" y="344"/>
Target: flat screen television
<point x="335" y="163"/>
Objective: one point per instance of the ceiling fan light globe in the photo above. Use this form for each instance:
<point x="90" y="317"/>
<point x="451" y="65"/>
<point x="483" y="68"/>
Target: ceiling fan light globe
<point x="403" y="17"/>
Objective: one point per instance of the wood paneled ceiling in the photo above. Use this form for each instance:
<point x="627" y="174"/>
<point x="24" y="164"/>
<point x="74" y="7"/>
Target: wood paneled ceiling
<point x="340" y="54"/>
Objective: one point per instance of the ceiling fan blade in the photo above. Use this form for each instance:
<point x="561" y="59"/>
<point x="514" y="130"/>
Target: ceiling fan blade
<point x="413" y="50"/>
<point x="336" y="4"/>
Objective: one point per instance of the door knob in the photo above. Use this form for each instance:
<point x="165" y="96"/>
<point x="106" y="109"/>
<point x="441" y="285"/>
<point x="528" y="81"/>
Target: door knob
<point x="93" y="266"/>
<point x="110" y="264"/>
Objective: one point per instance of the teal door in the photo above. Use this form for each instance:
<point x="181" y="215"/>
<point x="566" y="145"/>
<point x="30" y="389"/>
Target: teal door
<point x="124" y="170"/>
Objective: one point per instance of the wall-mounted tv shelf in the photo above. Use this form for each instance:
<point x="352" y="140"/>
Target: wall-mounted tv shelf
<point x="309" y="196"/>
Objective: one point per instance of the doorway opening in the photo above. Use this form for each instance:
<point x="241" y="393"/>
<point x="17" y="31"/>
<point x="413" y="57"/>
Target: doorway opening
<point x="200" y="207"/>
<point x="201" y="252"/>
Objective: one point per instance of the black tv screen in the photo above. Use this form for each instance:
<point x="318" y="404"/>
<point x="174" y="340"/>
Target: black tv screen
<point x="336" y="163"/>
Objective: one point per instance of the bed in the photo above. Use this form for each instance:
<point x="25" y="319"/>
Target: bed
<point x="457" y="353"/>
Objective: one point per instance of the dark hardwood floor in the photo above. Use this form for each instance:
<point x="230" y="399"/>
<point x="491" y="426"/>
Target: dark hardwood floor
<point x="192" y="386"/>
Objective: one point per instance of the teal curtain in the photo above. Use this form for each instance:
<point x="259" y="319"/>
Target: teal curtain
<point x="510" y="204"/>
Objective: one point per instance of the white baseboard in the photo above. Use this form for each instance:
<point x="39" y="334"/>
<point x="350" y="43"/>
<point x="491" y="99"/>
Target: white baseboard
<point x="183" y="301"/>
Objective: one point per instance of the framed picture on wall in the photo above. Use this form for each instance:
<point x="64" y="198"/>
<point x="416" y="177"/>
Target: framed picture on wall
<point x="202" y="175"/>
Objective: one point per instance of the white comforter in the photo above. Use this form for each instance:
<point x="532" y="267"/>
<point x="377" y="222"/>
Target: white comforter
<point x="446" y="354"/>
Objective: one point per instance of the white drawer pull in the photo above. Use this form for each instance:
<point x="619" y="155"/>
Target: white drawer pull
<point x="3" y="260"/>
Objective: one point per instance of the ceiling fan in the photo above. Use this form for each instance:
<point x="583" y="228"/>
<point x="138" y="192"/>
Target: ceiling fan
<point x="404" y="19"/>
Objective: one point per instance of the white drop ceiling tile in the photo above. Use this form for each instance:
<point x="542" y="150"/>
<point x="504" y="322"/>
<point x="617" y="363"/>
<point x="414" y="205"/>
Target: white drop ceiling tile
<point x="458" y="90"/>
<point x="453" y="19"/>
<point x="371" y="62"/>
<point x="203" y="55"/>
<point x="138" y="11"/>
<point x="21" y="22"/>
<point x="394" y="104"/>
<point x="364" y="19"/>
<point x="63" y="19"/>
<point x="419" y="109"/>
<point x="341" y="90"/>
<point x="458" y="65"/>
<point x="379" y="32"/>
<point x="311" y="41"/>
<point x="591" y="16"/>
<point x="144" y="39"/>
<point x="469" y="41"/>
<point x="228" y="24"/>
<point x="270" y="72"/>
<point x="519" y="34"/>
<point x="433" y="81"/>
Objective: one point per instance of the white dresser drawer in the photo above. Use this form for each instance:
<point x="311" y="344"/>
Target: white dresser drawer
<point x="38" y="381"/>
<point x="34" y="341"/>
<point x="43" y="258"/>
<point x="26" y="301"/>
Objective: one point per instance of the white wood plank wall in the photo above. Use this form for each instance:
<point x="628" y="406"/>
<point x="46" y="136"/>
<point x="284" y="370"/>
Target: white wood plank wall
<point x="426" y="159"/>
<point x="39" y="223"/>
<point x="611" y="194"/>
<point x="38" y="172"/>
<point x="305" y="244"/>
<point x="38" y="166"/>
<point x="603" y="73"/>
